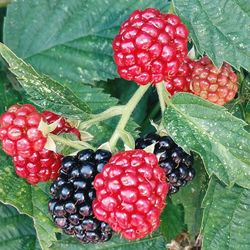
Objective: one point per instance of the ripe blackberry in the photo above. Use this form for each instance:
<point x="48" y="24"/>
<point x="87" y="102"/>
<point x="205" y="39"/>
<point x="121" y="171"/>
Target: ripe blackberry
<point x="150" y="46"/>
<point x="73" y="194"/>
<point x="176" y="163"/>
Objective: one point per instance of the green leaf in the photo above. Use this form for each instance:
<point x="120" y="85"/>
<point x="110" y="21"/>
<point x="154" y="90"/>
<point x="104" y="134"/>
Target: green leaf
<point x="191" y="196"/>
<point x="239" y="106"/>
<point x="27" y="199"/>
<point x="69" y="40"/>
<point x="17" y="230"/>
<point x="42" y="90"/>
<point x="172" y="221"/>
<point x="226" y="220"/>
<point x="8" y="95"/>
<point x="155" y="241"/>
<point x="216" y="135"/>
<point x="96" y="99"/>
<point x="220" y="28"/>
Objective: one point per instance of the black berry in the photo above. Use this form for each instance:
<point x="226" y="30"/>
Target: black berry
<point x="176" y="163"/>
<point x="73" y="194"/>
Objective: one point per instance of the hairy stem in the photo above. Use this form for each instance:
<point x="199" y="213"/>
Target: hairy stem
<point x="159" y="88"/>
<point x="107" y="114"/>
<point x="79" y="145"/>
<point x="128" y="110"/>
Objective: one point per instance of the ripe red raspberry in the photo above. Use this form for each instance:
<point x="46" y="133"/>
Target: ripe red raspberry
<point x="41" y="166"/>
<point x="150" y="46"/>
<point x="63" y="126"/>
<point x="181" y="82"/>
<point x="131" y="193"/>
<point x="216" y="85"/>
<point x="19" y="131"/>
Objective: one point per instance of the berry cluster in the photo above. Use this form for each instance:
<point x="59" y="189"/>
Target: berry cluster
<point x="150" y="46"/>
<point x="73" y="194"/>
<point x="63" y="126"/>
<point x="131" y="193"/>
<point x="176" y="163"/>
<point x="216" y="85"/>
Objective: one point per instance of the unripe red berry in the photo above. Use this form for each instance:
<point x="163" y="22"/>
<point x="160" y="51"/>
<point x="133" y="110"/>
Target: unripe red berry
<point x="150" y="46"/>
<point x="22" y="139"/>
<point x="131" y="193"/>
<point x="181" y="82"/>
<point x="63" y="126"/>
<point x="217" y="85"/>
<point x="17" y="127"/>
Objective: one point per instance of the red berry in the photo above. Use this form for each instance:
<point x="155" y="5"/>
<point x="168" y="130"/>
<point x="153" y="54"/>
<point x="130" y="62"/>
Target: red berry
<point x="148" y="46"/>
<point x="39" y="167"/>
<point x="124" y="192"/>
<point x="15" y="130"/>
<point x="63" y="126"/>
<point x="180" y="82"/>
<point x="22" y="139"/>
<point x="218" y="85"/>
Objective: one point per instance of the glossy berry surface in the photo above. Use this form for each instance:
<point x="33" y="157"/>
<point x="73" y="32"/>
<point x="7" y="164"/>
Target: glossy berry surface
<point x="175" y="162"/>
<point x="39" y="167"/>
<point x="131" y="193"/>
<point x="63" y="126"/>
<point x="22" y="139"/>
<point x="217" y="85"/>
<point x="150" y="46"/>
<point x="73" y="194"/>
<point x="181" y="81"/>
<point x="19" y="131"/>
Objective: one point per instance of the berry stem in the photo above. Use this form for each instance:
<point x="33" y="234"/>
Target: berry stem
<point x="107" y="114"/>
<point x="127" y="112"/>
<point x="171" y="8"/>
<point x="161" y="97"/>
<point x="79" y="145"/>
<point x="4" y="3"/>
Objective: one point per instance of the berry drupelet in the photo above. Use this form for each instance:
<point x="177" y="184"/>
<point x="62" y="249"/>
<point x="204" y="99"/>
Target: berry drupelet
<point x="73" y="194"/>
<point x="176" y="163"/>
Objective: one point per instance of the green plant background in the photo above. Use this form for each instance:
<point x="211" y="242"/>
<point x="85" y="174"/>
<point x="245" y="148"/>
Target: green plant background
<point x="68" y="44"/>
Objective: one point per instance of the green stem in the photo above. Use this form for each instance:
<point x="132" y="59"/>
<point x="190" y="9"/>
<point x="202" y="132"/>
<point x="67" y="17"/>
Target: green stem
<point x="128" y="110"/>
<point x="164" y="100"/>
<point x="159" y="87"/>
<point x="107" y="114"/>
<point x="4" y="3"/>
<point x="79" y="145"/>
<point x="171" y="8"/>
